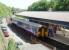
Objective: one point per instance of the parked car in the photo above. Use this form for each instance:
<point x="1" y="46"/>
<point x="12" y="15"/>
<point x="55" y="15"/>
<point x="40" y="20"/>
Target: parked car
<point x="4" y="30"/>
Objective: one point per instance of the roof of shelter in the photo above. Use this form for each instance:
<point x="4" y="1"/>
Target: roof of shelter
<point x="28" y="23"/>
<point x="59" y="16"/>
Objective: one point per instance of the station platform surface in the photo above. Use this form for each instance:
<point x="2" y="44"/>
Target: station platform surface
<point x="61" y="39"/>
<point x="57" y="41"/>
<point x="34" y="47"/>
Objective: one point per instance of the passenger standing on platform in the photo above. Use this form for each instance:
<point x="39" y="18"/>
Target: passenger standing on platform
<point x="50" y="31"/>
<point x="54" y="29"/>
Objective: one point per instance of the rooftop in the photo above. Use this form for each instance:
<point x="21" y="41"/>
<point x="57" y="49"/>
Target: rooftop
<point x="59" y="16"/>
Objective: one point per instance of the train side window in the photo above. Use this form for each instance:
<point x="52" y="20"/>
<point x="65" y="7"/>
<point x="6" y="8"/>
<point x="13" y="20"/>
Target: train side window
<point x="20" y="23"/>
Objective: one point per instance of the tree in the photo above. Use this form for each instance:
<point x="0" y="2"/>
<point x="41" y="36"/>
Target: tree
<point x="4" y="10"/>
<point x="39" y="6"/>
<point x="44" y="5"/>
<point x="60" y="5"/>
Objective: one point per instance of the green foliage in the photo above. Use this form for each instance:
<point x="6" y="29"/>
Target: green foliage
<point x="1" y="39"/>
<point x="2" y="47"/>
<point x="4" y="10"/>
<point x="61" y="5"/>
<point x="11" y="45"/>
<point x="56" y="5"/>
<point x="38" y="6"/>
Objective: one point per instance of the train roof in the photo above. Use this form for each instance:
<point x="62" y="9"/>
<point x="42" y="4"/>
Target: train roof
<point x="58" y="16"/>
<point x="28" y="22"/>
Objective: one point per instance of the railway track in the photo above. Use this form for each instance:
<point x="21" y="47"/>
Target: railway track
<point x="20" y="32"/>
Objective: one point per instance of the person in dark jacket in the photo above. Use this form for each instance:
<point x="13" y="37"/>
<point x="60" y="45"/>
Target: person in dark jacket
<point x="50" y="31"/>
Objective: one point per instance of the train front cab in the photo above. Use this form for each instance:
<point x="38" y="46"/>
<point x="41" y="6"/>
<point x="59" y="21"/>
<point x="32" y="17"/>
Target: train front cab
<point x="42" y="32"/>
<point x="47" y="30"/>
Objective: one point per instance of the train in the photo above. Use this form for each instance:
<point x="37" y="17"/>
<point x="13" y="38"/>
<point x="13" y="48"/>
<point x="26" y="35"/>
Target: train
<point x="36" y="29"/>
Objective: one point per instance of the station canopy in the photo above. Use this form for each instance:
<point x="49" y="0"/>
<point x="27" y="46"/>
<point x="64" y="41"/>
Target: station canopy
<point x="57" y="16"/>
<point x="28" y="23"/>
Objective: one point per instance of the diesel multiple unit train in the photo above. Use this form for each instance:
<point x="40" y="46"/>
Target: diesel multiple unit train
<point x="36" y="29"/>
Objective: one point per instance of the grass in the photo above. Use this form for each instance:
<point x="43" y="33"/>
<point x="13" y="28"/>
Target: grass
<point x="11" y="45"/>
<point x="5" y="11"/>
<point x="1" y="42"/>
<point x="1" y="39"/>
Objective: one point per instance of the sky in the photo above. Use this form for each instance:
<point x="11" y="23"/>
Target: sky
<point x="23" y="4"/>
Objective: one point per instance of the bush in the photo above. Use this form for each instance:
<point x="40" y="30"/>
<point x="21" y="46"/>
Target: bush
<point x="11" y="45"/>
